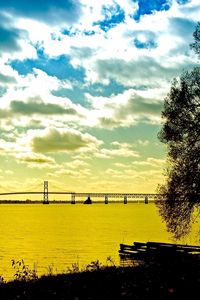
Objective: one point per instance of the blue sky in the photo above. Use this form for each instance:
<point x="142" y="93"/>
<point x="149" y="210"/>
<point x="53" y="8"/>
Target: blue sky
<point x="82" y="85"/>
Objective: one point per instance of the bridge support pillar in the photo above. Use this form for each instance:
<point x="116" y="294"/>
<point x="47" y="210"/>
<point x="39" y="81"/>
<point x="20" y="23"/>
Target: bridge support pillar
<point x="125" y="199"/>
<point x="146" y="200"/>
<point x="45" y="194"/>
<point x="73" y="199"/>
<point x="106" y="199"/>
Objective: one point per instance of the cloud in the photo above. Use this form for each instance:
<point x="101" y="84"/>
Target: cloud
<point x="32" y="107"/>
<point x="81" y="53"/>
<point x="9" y="172"/>
<point x="6" y="79"/>
<point x="35" y="89"/>
<point x="145" y="170"/>
<point x="191" y="10"/>
<point x="117" y="150"/>
<point x="39" y="82"/>
<point x="9" y="40"/>
<point x="148" y="50"/>
<point x="117" y="53"/>
<point x="139" y="106"/>
<point x="10" y="36"/>
<point x="79" y="174"/>
<point x="107" y="122"/>
<point x="76" y="164"/>
<point x="15" y="41"/>
<point x="36" y="160"/>
<point x="129" y="73"/>
<point x="114" y="173"/>
<point x="4" y="114"/>
<point x="55" y="140"/>
<point x="151" y="162"/>
<point x="51" y="11"/>
<point x="8" y="147"/>
<point x="182" y="27"/>
<point x="8" y="76"/>
<point x="127" y="108"/>
<point x="143" y="142"/>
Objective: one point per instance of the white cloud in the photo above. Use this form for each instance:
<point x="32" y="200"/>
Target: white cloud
<point x="126" y="109"/>
<point x="152" y="162"/>
<point x="75" y="164"/>
<point x="78" y="174"/>
<point x="135" y="178"/>
<point x="37" y="83"/>
<point x="117" y="150"/>
<point x="117" y="43"/>
<point x="9" y="172"/>
<point x="143" y="142"/>
<point x="10" y="76"/>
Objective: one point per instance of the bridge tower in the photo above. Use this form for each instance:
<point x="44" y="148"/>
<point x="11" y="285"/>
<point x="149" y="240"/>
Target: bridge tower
<point x="73" y="197"/>
<point x="125" y="199"/>
<point x="106" y="199"/>
<point x="46" y="194"/>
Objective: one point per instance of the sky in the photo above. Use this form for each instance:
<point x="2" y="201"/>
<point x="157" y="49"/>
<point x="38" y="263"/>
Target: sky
<point x="82" y="86"/>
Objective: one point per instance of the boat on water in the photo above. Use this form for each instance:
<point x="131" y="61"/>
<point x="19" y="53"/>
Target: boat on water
<point x="88" y="200"/>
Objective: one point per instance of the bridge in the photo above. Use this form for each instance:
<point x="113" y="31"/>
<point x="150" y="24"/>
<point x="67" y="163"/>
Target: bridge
<point x="73" y="195"/>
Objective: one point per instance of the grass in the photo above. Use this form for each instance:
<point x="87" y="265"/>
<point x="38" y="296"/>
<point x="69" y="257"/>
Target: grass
<point x="164" y="279"/>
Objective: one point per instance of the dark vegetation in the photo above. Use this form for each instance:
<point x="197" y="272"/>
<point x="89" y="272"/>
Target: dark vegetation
<point x="181" y="134"/>
<point x="165" y="278"/>
<point x="196" y="45"/>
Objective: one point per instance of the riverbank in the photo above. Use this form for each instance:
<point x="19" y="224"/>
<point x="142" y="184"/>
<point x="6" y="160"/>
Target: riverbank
<point x="166" y="279"/>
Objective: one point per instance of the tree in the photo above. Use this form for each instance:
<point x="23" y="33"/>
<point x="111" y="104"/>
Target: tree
<point x="196" y="45"/>
<point x="181" y="133"/>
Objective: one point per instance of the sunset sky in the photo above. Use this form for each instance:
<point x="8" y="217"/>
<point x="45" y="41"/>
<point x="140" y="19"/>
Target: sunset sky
<point x="82" y="85"/>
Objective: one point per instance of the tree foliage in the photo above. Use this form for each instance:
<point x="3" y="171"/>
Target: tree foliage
<point x="181" y="133"/>
<point x="196" y="45"/>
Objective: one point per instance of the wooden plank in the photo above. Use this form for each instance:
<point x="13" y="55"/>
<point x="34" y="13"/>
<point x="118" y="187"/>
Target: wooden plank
<point x="170" y="244"/>
<point x="124" y="246"/>
<point x="133" y="255"/>
<point x="151" y="248"/>
<point x="138" y="244"/>
<point x="190" y="249"/>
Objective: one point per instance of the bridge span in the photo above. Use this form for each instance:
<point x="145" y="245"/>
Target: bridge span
<point x="74" y="196"/>
<point x="88" y="196"/>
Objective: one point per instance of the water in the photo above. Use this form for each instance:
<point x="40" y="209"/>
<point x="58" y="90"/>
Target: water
<point x="61" y="234"/>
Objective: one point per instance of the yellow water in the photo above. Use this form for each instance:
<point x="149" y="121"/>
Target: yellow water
<point x="58" y="235"/>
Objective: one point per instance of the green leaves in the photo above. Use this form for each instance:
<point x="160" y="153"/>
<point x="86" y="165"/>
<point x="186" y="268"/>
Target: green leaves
<point x="181" y="133"/>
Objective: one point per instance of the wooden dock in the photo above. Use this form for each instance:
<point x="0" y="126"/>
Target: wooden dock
<point x="154" y="250"/>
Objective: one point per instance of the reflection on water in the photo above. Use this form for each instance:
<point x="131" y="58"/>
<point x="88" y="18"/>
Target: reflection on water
<point x="59" y="235"/>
